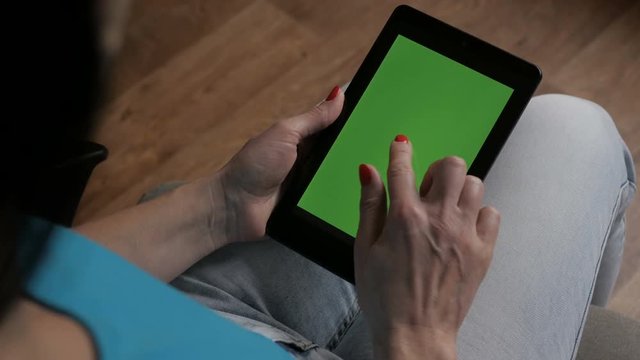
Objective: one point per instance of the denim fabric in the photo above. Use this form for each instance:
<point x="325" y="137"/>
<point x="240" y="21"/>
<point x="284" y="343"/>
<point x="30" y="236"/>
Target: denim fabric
<point x="562" y="184"/>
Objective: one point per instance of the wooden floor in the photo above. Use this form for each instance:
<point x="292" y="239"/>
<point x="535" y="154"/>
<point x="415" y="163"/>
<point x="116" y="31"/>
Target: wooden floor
<point x="197" y="78"/>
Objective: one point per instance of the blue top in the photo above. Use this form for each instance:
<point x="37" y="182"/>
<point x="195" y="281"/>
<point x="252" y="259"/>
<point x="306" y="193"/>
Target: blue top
<point x="130" y="314"/>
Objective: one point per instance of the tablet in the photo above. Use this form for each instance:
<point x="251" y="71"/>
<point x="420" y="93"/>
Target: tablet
<point x="449" y="92"/>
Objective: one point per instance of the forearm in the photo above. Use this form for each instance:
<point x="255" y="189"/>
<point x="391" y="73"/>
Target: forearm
<point x="167" y="235"/>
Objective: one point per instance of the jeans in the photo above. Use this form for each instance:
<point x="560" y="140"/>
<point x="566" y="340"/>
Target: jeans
<point x="562" y="184"/>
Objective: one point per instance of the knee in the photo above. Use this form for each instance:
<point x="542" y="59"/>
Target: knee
<point x="578" y="127"/>
<point x="576" y="119"/>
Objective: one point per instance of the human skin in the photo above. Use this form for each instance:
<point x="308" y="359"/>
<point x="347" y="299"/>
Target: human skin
<point x="419" y="264"/>
<point x="414" y="311"/>
<point x="234" y="205"/>
<point x="167" y="235"/>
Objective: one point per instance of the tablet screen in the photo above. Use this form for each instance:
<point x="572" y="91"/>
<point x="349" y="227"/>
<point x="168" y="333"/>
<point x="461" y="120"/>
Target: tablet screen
<point x="444" y="107"/>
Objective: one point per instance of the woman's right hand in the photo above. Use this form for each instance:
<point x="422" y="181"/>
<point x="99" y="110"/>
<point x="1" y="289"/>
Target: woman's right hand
<point x="419" y="264"/>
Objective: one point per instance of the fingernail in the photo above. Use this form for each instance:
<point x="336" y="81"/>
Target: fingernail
<point x="334" y="92"/>
<point x="402" y="138"/>
<point x="365" y="174"/>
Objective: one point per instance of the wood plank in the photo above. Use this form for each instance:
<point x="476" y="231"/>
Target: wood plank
<point x="215" y="76"/>
<point x="608" y="72"/>
<point x="292" y="92"/>
<point x="547" y="32"/>
<point x="159" y="29"/>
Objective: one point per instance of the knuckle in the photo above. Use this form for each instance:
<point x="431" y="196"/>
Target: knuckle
<point x="446" y="223"/>
<point x="319" y="112"/>
<point x="475" y="246"/>
<point x="473" y="188"/>
<point x="368" y="204"/>
<point x="407" y="214"/>
<point x="283" y="126"/>
<point x="493" y="212"/>
<point x="439" y="229"/>
<point x="487" y="255"/>
<point x="398" y="168"/>
<point x="470" y="247"/>
<point x="474" y="180"/>
<point x="286" y="130"/>
<point x="402" y="150"/>
<point x="449" y="214"/>
<point x="480" y="253"/>
<point x="454" y="162"/>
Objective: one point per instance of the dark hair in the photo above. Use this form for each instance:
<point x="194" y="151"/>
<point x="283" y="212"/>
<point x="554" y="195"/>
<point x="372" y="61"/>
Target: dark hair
<point x="55" y="84"/>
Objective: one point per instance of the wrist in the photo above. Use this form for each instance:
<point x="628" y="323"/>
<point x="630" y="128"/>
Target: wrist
<point x="402" y="343"/>
<point x="230" y="215"/>
<point x="214" y="215"/>
<point x="243" y="213"/>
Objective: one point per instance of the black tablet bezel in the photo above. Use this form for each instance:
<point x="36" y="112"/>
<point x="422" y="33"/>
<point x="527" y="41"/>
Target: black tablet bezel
<point x="332" y="248"/>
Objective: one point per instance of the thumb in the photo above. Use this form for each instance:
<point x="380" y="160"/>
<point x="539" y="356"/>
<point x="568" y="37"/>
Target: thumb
<point x="318" y="118"/>
<point x="373" y="211"/>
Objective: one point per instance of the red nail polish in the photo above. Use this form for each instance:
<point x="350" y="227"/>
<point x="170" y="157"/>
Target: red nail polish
<point x="402" y="138"/>
<point x="334" y="92"/>
<point x="365" y="174"/>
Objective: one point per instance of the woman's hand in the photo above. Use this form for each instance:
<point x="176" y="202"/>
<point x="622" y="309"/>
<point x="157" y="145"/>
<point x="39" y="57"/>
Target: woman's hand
<point x="251" y="182"/>
<point x="169" y="234"/>
<point x="419" y="264"/>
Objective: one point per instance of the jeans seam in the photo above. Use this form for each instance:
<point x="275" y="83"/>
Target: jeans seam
<point x="275" y="324"/>
<point x="604" y="241"/>
<point x="344" y="326"/>
<point x="204" y="294"/>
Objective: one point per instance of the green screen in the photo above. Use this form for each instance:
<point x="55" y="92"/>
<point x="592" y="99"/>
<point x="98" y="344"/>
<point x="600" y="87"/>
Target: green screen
<point x="444" y="107"/>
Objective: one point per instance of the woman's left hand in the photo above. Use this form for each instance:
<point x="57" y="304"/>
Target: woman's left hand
<point x="250" y="184"/>
<point x="232" y="205"/>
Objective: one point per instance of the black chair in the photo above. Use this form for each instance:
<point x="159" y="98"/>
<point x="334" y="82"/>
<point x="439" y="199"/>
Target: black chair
<point x="57" y="192"/>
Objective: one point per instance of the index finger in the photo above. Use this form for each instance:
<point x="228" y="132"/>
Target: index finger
<point x="400" y="175"/>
